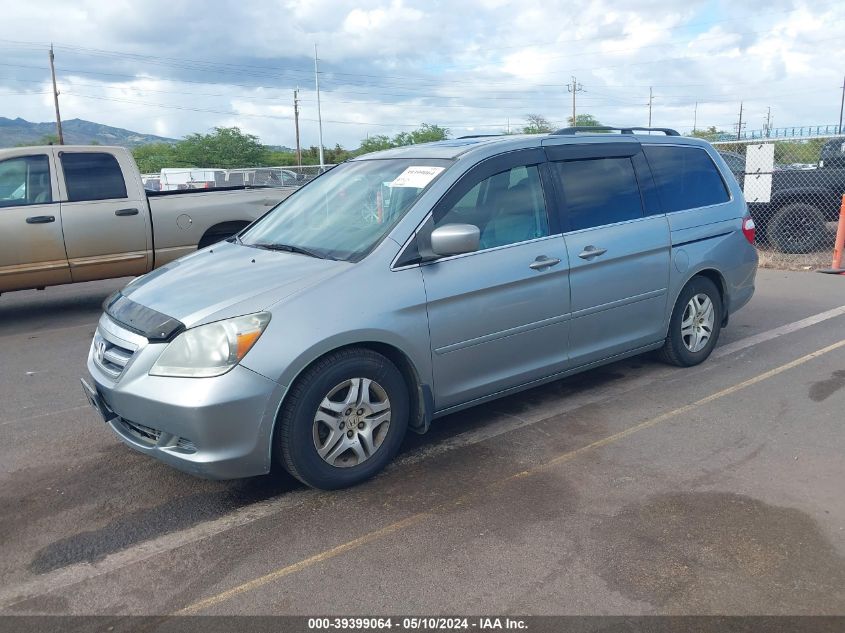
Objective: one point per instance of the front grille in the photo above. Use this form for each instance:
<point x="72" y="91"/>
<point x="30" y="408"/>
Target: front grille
<point x="186" y="445"/>
<point x="110" y="357"/>
<point x="113" y="347"/>
<point x="149" y="436"/>
<point x="146" y="434"/>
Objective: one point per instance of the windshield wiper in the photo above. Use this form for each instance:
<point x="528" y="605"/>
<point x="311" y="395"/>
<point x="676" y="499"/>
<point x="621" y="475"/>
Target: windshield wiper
<point x="288" y="248"/>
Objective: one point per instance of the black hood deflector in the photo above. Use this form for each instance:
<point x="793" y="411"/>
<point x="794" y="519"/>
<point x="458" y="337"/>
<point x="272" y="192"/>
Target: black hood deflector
<point x="149" y="323"/>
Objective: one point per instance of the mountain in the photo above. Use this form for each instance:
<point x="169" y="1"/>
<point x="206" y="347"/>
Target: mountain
<point x="76" y="132"/>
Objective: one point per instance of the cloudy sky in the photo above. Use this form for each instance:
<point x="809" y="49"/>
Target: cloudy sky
<point x="475" y="66"/>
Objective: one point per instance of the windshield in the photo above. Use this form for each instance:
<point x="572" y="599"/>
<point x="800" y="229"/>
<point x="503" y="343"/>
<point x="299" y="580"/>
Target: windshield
<point x="345" y="212"/>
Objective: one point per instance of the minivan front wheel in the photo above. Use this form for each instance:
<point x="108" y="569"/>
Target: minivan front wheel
<point x="695" y="324"/>
<point x="343" y="420"/>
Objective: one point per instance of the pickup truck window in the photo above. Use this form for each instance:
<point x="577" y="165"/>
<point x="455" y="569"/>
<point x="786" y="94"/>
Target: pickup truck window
<point x="92" y="176"/>
<point x="25" y="180"/>
<point x="686" y="177"/>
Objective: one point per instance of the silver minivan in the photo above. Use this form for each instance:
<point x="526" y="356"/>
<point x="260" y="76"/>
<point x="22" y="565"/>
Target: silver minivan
<point x="408" y="284"/>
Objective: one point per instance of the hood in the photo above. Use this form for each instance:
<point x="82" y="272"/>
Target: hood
<point x="227" y="280"/>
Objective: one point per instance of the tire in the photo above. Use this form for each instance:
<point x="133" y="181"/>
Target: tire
<point x="323" y="398"/>
<point x="210" y="238"/>
<point x="681" y="348"/>
<point x="220" y="232"/>
<point x="797" y="228"/>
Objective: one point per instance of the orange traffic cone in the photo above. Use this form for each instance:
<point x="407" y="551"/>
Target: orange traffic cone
<point x="836" y="264"/>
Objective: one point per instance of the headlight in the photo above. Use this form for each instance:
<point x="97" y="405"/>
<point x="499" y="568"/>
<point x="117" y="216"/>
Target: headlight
<point x="211" y="350"/>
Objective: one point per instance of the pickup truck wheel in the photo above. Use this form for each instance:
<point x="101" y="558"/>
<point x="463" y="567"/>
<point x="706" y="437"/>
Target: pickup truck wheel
<point x="220" y="232"/>
<point x="695" y="324"/>
<point x="343" y="420"/>
<point x="797" y="228"/>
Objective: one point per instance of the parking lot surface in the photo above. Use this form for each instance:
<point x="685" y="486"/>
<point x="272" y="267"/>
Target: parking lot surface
<point x="636" y="488"/>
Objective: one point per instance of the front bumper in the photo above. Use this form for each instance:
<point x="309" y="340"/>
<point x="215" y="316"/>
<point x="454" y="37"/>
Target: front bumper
<point x="218" y="428"/>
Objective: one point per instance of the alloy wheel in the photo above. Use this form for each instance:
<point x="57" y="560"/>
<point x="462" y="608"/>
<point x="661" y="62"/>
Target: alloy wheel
<point x="351" y="422"/>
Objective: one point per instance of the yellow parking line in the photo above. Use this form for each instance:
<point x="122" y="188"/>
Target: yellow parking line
<point x="565" y="457"/>
<point x="308" y="562"/>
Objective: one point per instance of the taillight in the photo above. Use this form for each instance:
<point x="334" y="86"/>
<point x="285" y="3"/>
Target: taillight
<point x="748" y="228"/>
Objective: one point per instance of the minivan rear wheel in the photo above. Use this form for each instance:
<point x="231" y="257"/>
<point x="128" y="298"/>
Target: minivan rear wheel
<point x="343" y="420"/>
<point x="695" y="324"/>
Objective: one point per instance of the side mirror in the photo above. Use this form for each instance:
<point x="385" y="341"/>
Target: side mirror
<point x="455" y="239"/>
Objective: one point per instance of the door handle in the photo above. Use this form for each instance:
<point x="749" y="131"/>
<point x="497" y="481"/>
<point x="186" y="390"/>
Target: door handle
<point x="591" y="251"/>
<point x="123" y="212"/>
<point x="543" y="262"/>
<point x="40" y="219"/>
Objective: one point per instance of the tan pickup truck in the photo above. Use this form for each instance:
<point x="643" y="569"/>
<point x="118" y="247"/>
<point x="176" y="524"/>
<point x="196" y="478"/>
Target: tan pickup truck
<point x="79" y="213"/>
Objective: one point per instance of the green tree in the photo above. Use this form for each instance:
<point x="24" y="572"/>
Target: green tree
<point x="426" y="133"/>
<point x="278" y="158"/>
<point x="709" y="134"/>
<point x="336" y="154"/>
<point x="585" y="119"/>
<point x="226" y="147"/>
<point x="805" y="151"/>
<point x="375" y="143"/>
<point x="154" y="156"/>
<point x="537" y="124"/>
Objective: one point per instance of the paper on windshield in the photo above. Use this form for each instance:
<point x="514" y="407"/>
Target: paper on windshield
<point x="416" y="177"/>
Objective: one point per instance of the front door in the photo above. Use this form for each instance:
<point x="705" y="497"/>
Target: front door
<point x="105" y="218"/>
<point x="619" y="254"/>
<point x="32" y="251"/>
<point x="498" y="316"/>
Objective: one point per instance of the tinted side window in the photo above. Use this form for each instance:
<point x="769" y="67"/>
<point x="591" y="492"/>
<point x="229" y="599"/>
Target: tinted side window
<point x="508" y="208"/>
<point x="25" y="180"/>
<point x="92" y="176"/>
<point x="686" y="177"/>
<point x="598" y="191"/>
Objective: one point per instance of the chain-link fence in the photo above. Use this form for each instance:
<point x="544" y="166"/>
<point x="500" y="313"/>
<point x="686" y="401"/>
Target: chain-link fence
<point x="794" y="189"/>
<point x="178" y="178"/>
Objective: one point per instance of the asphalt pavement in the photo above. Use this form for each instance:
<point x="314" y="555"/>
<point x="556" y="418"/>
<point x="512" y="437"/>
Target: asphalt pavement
<point x="635" y="488"/>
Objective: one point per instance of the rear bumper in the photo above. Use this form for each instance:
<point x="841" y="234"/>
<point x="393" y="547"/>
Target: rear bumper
<point x="744" y="278"/>
<point x="217" y="428"/>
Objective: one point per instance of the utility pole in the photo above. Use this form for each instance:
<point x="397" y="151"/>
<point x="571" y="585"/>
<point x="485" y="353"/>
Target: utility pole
<point x="841" y="106"/>
<point x="650" y="100"/>
<point x="695" y="118"/>
<point x="574" y="88"/>
<point x="768" y="126"/>
<point x="739" y="123"/>
<point x="319" y="111"/>
<point x="296" y="122"/>
<point x="56" y="99"/>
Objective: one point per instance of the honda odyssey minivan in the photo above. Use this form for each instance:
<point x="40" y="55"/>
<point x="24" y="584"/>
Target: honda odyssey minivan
<point x="407" y="284"/>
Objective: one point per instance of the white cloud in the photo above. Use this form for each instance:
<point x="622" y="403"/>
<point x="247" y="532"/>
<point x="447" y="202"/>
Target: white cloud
<point x="472" y="65"/>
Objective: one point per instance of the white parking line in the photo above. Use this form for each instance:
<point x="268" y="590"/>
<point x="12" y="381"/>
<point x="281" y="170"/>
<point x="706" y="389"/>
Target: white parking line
<point x="38" y="333"/>
<point x="79" y="572"/>
<point x="756" y="339"/>
<point x="45" y="415"/>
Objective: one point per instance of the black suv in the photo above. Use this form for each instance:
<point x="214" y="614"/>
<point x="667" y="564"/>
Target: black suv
<point x="802" y="201"/>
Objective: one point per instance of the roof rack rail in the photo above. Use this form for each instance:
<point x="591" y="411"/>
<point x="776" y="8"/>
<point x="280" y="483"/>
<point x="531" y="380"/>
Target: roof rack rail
<point x="478" y="136"/>
<point x="606" y="128"/>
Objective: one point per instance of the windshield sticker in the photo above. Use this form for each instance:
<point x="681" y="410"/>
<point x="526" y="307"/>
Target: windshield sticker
<point x="416" y="177"/>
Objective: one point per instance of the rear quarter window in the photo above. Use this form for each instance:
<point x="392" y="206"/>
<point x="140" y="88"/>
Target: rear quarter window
<point x="685" y="177"/>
